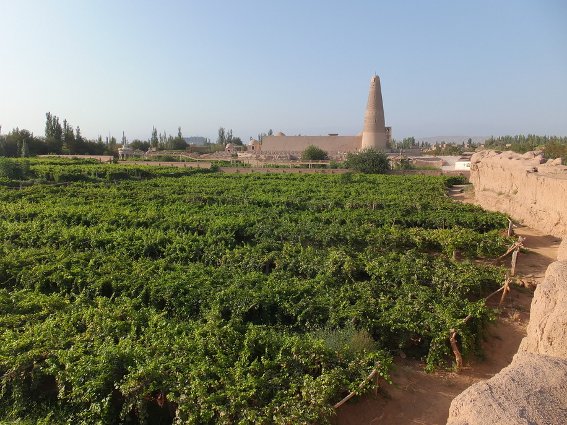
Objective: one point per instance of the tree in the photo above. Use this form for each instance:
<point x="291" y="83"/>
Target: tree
<point x="138" y="144"/>
<point x="78" y="136"/>
<point x="554" y="150"/>
<point x="162" y="140"/>
<point x="25" y="151"/>
<point x="22" y="143"/>
<point x="406" y="143"/>
<point x="178" y="143"/>
<point x="221" y="139"/>
<point x="68" y="137"/>
<point x="154" y="141"/>
<point x="11" y="169"/>
<point x="314" y="153"/>
<point x="53" y="133"/>
<point x="111" y="148"/>
<point x="368" y="161"/>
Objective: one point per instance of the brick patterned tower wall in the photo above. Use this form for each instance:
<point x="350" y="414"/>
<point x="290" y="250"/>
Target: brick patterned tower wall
<point x="374" y="133"/>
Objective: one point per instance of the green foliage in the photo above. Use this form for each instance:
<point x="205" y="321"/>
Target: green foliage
<point x="314" y="153"/>
<point x="456" y="180"/>
<point x="225" y="137"/>
<point x="555" y="149"/>
<point x="447" y="149"/>
<point x="553" y="146"/>
<point x="406" y="143"/>
<point x="62" y="170"/>
<point x="14" y="169"/>
<point x="140" y="145"/>
<point x="368" y="161"/>
<point x="140" y="294"/>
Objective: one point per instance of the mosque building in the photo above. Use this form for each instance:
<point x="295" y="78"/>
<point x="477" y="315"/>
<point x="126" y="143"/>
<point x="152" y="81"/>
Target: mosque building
<point x="374" y="135"/>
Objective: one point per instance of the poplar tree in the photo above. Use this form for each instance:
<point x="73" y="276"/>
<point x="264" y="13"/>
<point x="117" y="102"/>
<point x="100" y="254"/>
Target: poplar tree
<point x="53" y="133"/>
<point x="221" y="139"/>
<point x="154" y="140"/>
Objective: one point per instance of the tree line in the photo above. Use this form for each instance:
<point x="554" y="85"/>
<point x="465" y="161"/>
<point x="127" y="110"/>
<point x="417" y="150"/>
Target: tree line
<point x="62" y="138"/>
<point x="552" y="146"/>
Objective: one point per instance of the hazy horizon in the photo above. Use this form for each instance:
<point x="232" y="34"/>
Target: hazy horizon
<point x="446" y="68"/>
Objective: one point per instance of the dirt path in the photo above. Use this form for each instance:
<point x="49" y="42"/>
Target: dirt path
<point x="416" y="397"/>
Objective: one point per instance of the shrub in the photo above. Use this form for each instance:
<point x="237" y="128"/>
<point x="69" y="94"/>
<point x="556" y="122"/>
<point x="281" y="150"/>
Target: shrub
<point x="314" y="153"/>
<point x="13" y="170"/>
<point x="368" y="161"/>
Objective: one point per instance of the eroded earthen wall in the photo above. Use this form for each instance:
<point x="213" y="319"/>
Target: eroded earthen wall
<point x="533" y="388"/>
<point x="530" y="189"/>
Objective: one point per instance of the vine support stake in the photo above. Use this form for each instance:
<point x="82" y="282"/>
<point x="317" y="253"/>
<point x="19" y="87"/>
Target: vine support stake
<point x="510" y="228"/>
<point x="376" y="384"/>
<point x="505" y="291"/>
<point x="514" y="259"/>
<point x="455" y="348"/>
<point x="515" y="245"/>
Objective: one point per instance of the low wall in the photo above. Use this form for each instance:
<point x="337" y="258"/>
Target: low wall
<point x="527" y="187"/>
<point x="533" y="388"/>
<point x="330" y="144"/>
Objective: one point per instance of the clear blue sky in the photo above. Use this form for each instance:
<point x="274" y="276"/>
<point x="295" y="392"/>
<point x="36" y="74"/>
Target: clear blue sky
<point x="303" y="67"/>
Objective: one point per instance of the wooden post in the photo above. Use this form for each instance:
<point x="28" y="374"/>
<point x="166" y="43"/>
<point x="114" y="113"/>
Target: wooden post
<point x="505" y="291"/>
<point x="376" y="385"/>
<point x="455" y="348"/>
<point x="514" y="259"/>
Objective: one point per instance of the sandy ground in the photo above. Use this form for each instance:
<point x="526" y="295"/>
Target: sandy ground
<point x="416" y="397"/>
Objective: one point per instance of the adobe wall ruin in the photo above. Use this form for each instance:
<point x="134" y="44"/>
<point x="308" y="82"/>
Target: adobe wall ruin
<point x="528" y="188"/>
<point x="533" y="388"/>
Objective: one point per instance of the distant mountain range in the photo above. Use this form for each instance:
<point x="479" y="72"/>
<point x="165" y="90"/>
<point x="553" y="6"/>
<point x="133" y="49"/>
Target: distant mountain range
<point x="477" y="140"/>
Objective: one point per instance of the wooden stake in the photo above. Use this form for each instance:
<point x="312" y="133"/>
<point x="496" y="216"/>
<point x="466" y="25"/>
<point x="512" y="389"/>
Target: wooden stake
<point x="514" y="259"/>
<point x="515" y="245"/>
<point x="456" y="351"/>
<point x="376" y="386"/>
<point x="505" y="291"/>
<point x="490" y="296"/>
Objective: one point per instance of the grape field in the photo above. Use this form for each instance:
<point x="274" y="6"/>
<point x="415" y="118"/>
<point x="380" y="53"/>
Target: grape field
<point x="147" y="295"/>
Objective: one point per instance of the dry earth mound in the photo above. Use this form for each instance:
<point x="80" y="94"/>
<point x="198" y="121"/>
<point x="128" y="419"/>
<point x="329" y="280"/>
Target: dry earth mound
<point x="532" y="390"/>
<point x="547" y="330"/>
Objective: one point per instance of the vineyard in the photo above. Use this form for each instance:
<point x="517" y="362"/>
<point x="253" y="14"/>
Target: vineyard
<point x="153" y="295"/>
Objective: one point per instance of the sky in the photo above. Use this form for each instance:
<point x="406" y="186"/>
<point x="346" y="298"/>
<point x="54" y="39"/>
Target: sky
<point x="447" y="67"/>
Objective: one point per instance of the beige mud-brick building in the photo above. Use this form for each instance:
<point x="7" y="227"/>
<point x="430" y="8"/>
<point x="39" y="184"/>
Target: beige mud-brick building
<point x="374" y="135"/>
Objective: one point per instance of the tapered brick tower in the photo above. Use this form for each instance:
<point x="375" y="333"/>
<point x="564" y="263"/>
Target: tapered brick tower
<point x="374" y="133"/>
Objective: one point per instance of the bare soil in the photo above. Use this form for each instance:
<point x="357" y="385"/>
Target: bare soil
<point x="416" y="397"/>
